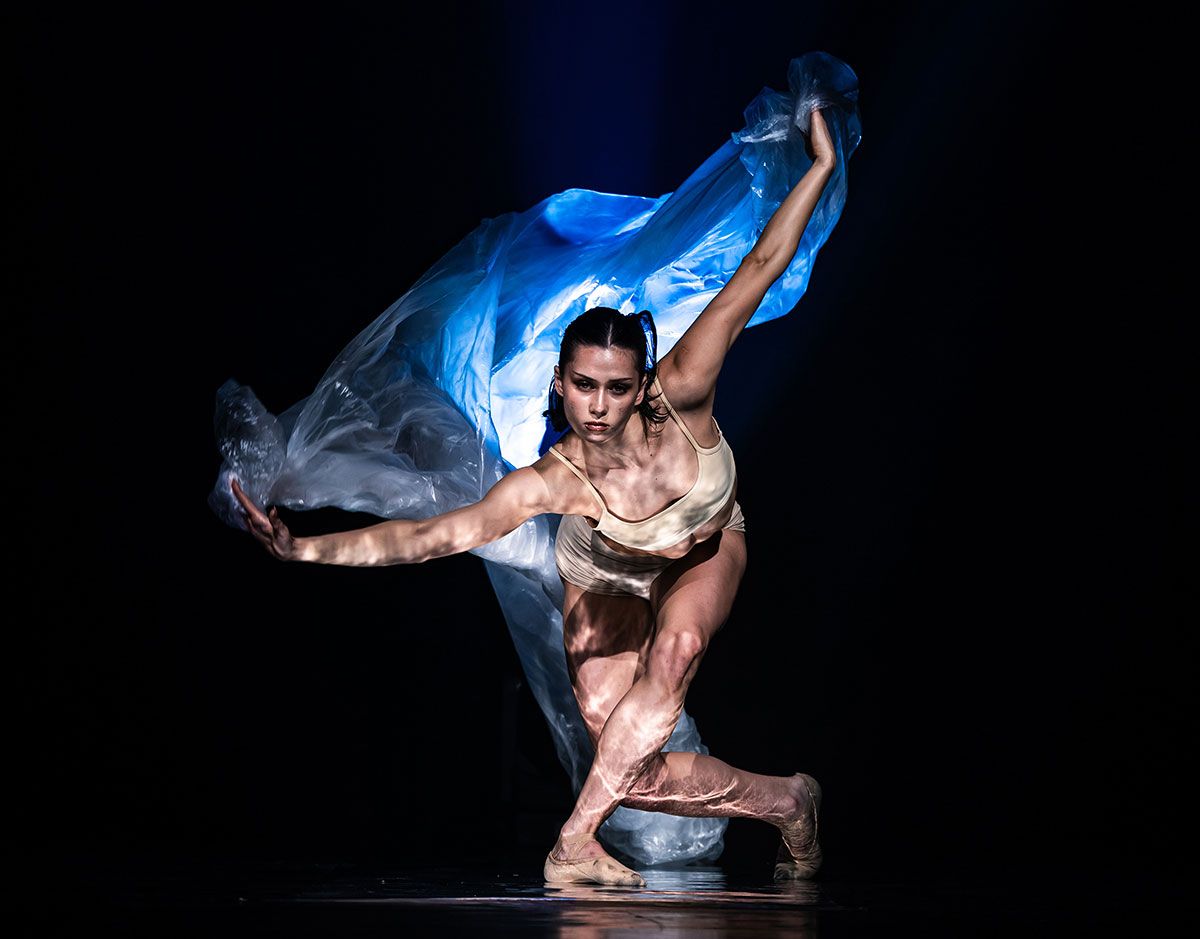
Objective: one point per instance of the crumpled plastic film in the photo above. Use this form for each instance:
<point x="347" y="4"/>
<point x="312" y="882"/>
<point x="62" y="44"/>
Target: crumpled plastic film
<point x="440" y="396"/>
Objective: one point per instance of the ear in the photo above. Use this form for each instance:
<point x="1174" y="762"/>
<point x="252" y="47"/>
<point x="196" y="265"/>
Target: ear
<point x="642" y="392"/>
<point x="558" y="385"/>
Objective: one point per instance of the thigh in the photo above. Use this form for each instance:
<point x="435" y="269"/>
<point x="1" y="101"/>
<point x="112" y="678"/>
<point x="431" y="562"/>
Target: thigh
<point x="606" y="639"/>
<point x="693" y="598"/>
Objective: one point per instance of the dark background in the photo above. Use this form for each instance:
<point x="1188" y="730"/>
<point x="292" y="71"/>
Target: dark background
<point x="959" y="454"/>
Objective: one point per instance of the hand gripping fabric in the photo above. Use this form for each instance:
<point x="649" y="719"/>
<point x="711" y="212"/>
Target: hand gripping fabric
<point x="443" y="393"/>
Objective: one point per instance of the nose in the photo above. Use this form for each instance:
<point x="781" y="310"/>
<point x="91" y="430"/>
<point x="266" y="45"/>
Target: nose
<point x="598" y="406"/>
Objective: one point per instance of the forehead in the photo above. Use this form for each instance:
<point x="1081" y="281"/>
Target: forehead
<point x="611" y="362"/>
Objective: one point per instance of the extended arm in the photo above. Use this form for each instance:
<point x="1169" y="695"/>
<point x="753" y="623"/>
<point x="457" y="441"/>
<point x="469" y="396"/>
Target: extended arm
<point x="519" y="496"/>
<point x="696" y="359"/>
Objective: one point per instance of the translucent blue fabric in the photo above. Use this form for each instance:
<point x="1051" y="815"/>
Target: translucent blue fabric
<point x="443" y="393"/>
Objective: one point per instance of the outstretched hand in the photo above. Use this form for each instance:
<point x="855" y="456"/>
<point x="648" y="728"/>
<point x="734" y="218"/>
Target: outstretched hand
<point x="268" y="530"/>
<point x="820" y="143"/>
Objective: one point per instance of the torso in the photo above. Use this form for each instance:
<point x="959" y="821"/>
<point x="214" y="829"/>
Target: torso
<point x="636" y="493"/>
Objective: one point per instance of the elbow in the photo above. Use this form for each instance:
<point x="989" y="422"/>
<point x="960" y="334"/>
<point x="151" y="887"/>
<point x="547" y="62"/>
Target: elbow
<point x="406" y="542"/>
<point x="757" y="256"/>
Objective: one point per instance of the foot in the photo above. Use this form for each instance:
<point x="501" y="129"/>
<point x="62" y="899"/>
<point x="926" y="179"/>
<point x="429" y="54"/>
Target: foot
<point x="582" y="860"/>
<point x="800" y="854"/>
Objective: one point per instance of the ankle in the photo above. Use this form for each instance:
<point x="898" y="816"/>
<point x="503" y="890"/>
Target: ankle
<point x="577" y="847"/>
<point x="576" y="837"/>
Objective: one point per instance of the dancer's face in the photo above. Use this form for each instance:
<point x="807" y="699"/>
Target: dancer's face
<point x="601" y="387"/>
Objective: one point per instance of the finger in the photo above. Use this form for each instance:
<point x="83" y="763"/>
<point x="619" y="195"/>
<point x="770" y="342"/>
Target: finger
<point x="252" y="510"/>
<point x="242" y="497"/>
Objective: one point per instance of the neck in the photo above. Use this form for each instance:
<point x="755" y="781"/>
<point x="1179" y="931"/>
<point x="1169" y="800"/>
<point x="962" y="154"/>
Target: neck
<point x="627" y="449"/>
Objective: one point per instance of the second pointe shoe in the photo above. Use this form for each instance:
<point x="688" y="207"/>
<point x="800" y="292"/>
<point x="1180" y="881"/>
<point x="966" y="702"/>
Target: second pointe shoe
<point x="801" y="859"/>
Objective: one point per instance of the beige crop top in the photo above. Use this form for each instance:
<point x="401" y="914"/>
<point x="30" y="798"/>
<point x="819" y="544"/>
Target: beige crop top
<point x="714" y="485"/>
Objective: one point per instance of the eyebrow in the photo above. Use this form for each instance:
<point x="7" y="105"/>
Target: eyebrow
<point x="622" y="381"/>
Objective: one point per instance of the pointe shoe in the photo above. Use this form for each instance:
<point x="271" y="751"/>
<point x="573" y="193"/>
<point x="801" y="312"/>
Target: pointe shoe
<point x="804" y="867"/>
<point x="593" y="870"/>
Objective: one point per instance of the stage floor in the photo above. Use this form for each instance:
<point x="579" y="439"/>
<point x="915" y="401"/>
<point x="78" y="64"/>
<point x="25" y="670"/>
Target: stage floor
<point x="181" y="899"/>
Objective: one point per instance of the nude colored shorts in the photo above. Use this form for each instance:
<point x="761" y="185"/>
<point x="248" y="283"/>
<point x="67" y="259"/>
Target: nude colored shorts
<point x="585" y="560"/>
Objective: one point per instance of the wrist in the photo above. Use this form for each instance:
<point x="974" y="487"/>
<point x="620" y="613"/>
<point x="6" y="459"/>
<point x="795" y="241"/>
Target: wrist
<point x="305" y="549"/>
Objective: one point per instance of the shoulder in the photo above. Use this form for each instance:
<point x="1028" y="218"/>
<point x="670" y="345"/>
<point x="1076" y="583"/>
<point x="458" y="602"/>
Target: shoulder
<point x="524" y="490"/>
<point x="565" y="492"/>
<point x="686" y="391"/>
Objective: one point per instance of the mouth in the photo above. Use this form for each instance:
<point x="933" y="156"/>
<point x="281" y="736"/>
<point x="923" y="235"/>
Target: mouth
<point x="591" y="425"/>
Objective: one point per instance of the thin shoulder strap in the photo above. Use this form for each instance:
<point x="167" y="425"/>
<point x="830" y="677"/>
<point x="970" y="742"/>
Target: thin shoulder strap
<point x="575" y="469"/>
<point x="678" y="420"/>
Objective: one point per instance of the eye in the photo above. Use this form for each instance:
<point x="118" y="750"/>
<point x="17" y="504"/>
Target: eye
<point x="620" y="389"/>
<point x="583" y="384"/>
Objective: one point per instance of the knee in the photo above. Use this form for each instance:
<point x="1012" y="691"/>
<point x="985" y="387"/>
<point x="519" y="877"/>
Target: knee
<point x="674" y="658"/>
<point x="651" y="780"/>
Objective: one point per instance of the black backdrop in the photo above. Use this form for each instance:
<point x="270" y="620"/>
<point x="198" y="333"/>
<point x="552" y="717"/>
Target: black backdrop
<point x="958" y="454"/>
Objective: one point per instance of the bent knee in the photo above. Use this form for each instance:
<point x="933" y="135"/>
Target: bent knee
<point x="652" y="778"/>
<point x="675" y="655"/>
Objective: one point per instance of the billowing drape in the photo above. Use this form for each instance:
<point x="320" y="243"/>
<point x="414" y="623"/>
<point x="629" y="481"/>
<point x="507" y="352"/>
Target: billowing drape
<point x="444" y="392"/>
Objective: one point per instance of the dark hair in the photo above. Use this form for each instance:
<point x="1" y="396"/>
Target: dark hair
<point x="605" y="327"/>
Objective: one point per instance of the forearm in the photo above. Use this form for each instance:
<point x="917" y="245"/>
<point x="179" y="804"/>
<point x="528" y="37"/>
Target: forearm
<point x="777" y="244"/>
<point x="516" y="497"/>
<point x="397" y="541"/>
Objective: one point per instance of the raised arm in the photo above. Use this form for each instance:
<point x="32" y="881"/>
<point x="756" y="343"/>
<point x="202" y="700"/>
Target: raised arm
<point x="519" y="496"/>
<point x="695" y="360"/>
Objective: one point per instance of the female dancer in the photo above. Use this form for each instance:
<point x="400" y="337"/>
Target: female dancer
<point x="642" y="600"/>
